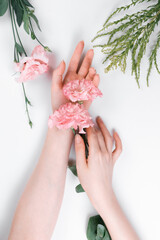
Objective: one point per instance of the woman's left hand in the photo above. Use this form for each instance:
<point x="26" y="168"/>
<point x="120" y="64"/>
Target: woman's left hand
<point x="73" y="72"/>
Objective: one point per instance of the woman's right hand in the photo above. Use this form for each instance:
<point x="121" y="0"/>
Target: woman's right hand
<point x="74" y="72"/>
<point x="95" y="173"/>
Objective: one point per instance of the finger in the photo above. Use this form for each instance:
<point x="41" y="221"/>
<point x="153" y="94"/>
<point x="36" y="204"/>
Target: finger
<point x="101" y="141"/>
<point x="80" y="152"/>
<point x="92" y="141"/>
<point x="96" y="80"/>
<point x="106" y="134"/>
<point x="118" y="147"/>
<point x="91" y="74"/>
<point x="58" y="75"/>
<point x="86" y="63"/>
<point x="74" y="62"/>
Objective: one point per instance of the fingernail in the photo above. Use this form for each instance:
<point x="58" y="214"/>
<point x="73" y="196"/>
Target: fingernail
<point x="92" y="51"/>
<point x="81" y="42"/>
<point x="78" y="138"/>
<point x="60" y="63"/>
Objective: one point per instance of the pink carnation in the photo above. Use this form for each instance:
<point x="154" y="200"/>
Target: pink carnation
<point x="79" y="90"/>
<point x="31" y="67"/>
<point x="71" y="115"/>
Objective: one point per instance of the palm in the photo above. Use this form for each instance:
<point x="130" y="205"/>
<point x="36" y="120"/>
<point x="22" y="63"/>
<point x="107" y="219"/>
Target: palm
<point x="84" y="71"/>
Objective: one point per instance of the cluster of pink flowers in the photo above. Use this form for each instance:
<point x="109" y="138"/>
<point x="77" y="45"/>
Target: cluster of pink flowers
<point x="73" y="114"/>
<point x="80" y="90"/>
<point x="31" y="67"/>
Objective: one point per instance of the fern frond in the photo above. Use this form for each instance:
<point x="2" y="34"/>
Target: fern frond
<point x="131" y="33"/>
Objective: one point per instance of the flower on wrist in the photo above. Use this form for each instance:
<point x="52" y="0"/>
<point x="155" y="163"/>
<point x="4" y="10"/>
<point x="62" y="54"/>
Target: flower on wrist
<point x="71" y="115"/>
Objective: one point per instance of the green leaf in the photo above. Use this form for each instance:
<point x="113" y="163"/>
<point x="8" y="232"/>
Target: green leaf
<point x="35" y="19"/>
<point x="79" y="188"/>
<point x="33" y="35"/>
<point x="73" y="169"/>
<point x="28" y="102"/>
<point x="16" y="4"/>
<point x="26" y="22"/>
<point x="30" y="124"/>
<point x="27" y="3"/>
<point x="3" y="7"/>
<point x="92" y="227"/>
<point x="100" y="231"/>
<point x="107" y="236"/>
<point x="98" y="238"/>
<point x="49" y="50"/>
<point x="19" y="48"/>
<point x="96" y="228"/>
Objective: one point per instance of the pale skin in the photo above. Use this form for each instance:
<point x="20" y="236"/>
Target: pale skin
<point x="95" y="175"/>
<point x="39" y="205"/>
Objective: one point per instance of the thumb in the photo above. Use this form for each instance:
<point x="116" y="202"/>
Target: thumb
<point x="58" y="75"/>
<point x="118" y="147"/>
<point x="80" y="152"/>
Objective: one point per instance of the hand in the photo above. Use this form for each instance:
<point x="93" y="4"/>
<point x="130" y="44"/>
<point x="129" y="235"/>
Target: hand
<point x="95" y="173"/>
<point x="85" y="71"/>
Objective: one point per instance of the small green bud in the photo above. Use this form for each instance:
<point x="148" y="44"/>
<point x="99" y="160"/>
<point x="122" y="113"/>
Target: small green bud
<point x="31" y="124"/>
<point x="47" y="49"/>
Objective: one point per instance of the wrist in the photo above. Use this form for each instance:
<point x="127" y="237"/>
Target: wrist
<point x="59" y="136"/>
<point x="105" y="201"/>
<point x="57" y="145"/>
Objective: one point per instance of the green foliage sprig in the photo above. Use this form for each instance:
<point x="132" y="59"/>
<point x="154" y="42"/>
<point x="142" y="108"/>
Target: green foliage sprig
<point x="130" y="34"/>
<point x="96" y="229"/>
<point x="21" y="12"/>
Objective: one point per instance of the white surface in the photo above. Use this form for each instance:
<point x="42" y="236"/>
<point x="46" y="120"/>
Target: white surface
<point x="132" y="112"/>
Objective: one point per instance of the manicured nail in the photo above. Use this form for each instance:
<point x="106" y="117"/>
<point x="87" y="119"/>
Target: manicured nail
<point x="78" y="138"/>
<point x="60" y="63"/>
<point x="91" y="51"/>
<point x="81" y="42"/>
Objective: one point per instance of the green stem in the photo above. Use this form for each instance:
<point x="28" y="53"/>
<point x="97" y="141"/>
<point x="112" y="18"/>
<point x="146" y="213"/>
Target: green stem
<point x="84" y="137"/>
<point x="18" y="35"/>
<point x="26" y="103"/>
<point x="35" y="34"/>
<point x="85" y="143"/>
<point x="12" y="30"/>
<point x="16" y="58"/>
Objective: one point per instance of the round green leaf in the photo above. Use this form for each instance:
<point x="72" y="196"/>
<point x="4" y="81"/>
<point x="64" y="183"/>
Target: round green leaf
<point x="79" y="188"/>
<point x="100" y="230"/>
<point x="92" y="227"/>
<point x="96" y="229"/>
<point x="33" y="35"/>
<point x="73" y="169"/>
<point x="3" y="7"/>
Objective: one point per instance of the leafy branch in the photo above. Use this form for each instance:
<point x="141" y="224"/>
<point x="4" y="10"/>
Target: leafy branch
<point x="21" y="11"/>
<point x="130" y="34"/>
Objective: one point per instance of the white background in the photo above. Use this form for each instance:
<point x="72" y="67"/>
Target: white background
<point x="133" y="112"/>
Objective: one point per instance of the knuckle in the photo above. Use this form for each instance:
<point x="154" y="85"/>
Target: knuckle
<point x="106" y="155"/>
<point x="98" y="132"/>
<point x="99" y="156"/>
